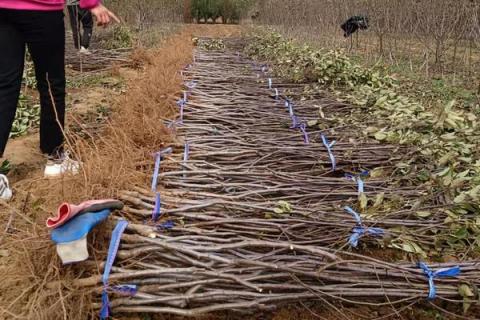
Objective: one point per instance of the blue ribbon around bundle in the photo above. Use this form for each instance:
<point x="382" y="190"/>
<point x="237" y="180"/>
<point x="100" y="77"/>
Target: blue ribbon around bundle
<point x="360" y="230"/>
<point x="440" y="273"/>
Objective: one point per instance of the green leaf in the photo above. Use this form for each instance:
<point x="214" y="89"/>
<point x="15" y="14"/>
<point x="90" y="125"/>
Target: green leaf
<point x="284" y="206"/>
<point x="380" y="136"/>
<point x="444" y="172"/>
<point x="379" y="199"/>
<point x="462" y="233"/>
<point x="5" y="167"/>
<point x="408" y="247"/>
<point x="423" y="214"/>
<point x="363" y="201"/>
<point x="377" y="173"/>
<point x="462" y="197"/>
<point x="465" y="291"/>
<point x="278" y="211"/>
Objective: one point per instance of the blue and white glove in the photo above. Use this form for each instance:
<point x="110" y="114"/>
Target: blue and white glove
<point x="71" y="238"/>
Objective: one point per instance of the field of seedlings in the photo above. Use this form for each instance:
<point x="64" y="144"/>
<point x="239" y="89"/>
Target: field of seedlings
<point x="268" y="159"/>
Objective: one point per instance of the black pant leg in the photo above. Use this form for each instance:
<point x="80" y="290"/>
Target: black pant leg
<point x="73" y="13"/>
<point x="12" y="55"/>
<point x="45" y="37"/>
<point x="87" y="23"/>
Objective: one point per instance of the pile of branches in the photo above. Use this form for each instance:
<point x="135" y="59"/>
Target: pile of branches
<point x="99" y="59"/>
<point x="255" y="210"/>
<point x="189" y="271"/>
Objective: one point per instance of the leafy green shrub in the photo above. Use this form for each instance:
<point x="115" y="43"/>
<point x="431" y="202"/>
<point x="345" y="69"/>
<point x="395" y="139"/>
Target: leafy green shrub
<point x="27" y="117"/>
<point x="121" y="37"/>
<point x="229" y="10"/>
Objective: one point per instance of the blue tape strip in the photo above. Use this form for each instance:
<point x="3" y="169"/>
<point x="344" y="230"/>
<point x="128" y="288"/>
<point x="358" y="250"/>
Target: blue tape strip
<point x="355" y="215"/>
<point x="186" y="154"/>
<point x="166" y="225"/>
<point x="303" y="128"/>
<point x="290" y="109"/>
<point x="329" y="147"/>
<point x="157" y="210"/>
<point x="269" y="83"/>
<point x="358" y="180"/>
<point x="126" y="289"/>
<point x="191" y="85"/>
<point x="440" y="273"/>
<point x="171" y="124"/>
<point x="360" y="230"/>
<point x="277" y="95"/>
<point x="361" y="185"/>
<point x="156" y="171"/>
<point x="294" y="122"/>
<point x="181" y="103"/>
<point x="112" y="253"/>
<point x="158" y="158"/>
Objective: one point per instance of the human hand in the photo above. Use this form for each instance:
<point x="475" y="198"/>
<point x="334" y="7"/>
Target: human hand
<point x="103" y="15"/>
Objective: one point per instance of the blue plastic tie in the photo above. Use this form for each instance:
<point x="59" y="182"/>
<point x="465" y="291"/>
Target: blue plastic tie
<point x="166" y="225"/>
<point x="269" y="83"/>
<point x="129" y="290"/>
<point x="158" y="207"/>
<point x="360" y="230"/>
<point x="191" y="85"/>
<point x="186" y="154"/>
<point x="277" y="95"/>
<point x="440" y="273"/>
<point x="303" y="128"/>
<point x="295" y="122"/>
<point x="358" y="179"/>
<point x="171" y="124"/>
<point x="329" y="146"/>
<point x="112" y="253"/>
<point x="158" y="159"/>
<point x="181" y="103"/>
<point x="289" y="105"/>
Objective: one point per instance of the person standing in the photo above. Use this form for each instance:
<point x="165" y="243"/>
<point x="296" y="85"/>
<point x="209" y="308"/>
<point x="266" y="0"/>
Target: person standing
<point x="83" y="17"/>
<point x="38" y="25"/>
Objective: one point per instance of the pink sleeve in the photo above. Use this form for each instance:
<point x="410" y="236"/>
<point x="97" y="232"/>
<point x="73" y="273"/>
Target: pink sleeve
<point x="89" y="4"/>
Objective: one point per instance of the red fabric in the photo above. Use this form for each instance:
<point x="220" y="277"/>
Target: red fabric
<point x="67" y="211"/>
<point x="44" y="5"/>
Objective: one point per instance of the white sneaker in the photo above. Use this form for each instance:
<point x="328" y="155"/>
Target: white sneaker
<point x="62" y="166"/>
<point x="84" y="50"/>
<point x="5" y="191"/>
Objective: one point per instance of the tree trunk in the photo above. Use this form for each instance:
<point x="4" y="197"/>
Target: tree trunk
<point x="187" y="11"/>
